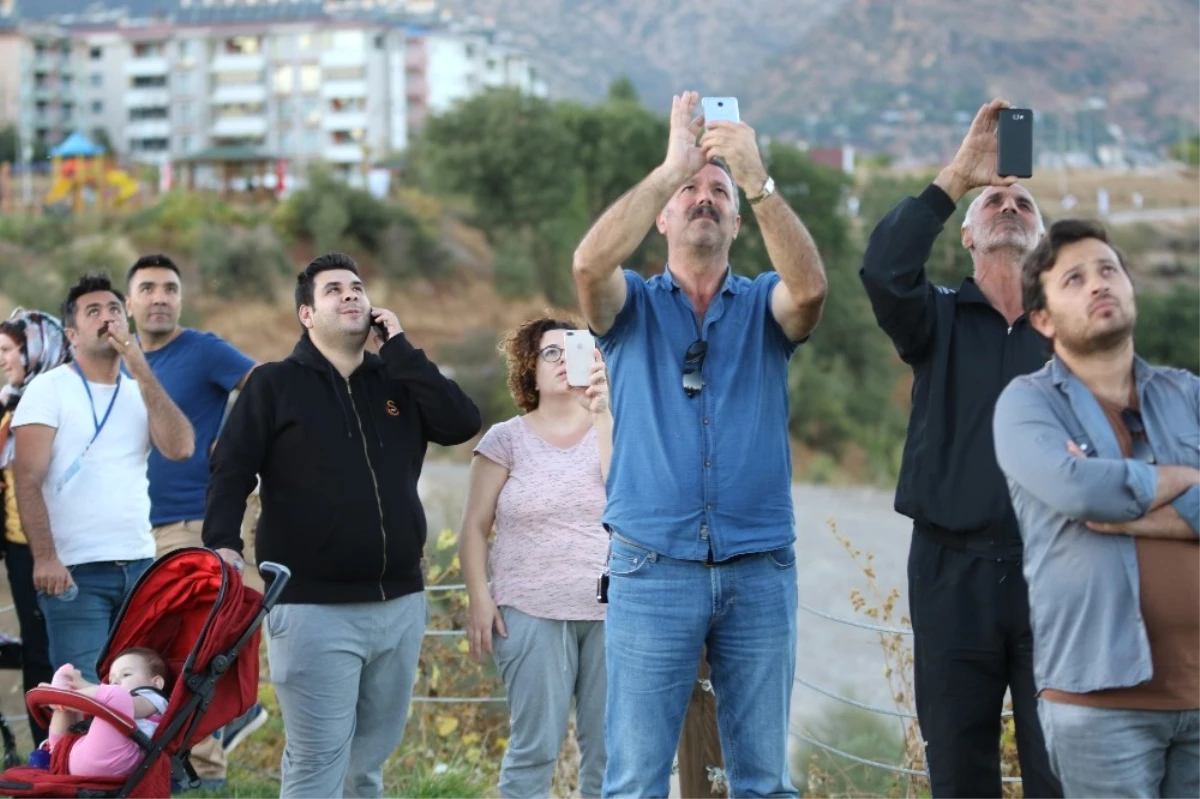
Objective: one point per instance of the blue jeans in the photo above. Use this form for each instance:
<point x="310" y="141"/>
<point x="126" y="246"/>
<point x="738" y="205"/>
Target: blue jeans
<point x="1136" y="753"/>
<point x="80" y="620"/>
<point x="661" y="612"/>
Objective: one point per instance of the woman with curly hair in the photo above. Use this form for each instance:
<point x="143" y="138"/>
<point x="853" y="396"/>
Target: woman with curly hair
<point x="31" y="343"/>
<point x="539" y="479"/>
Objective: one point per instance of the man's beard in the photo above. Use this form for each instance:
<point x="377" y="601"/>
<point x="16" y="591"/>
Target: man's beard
<point x="1106" y="341"/>
<point x="1014" y="240"/>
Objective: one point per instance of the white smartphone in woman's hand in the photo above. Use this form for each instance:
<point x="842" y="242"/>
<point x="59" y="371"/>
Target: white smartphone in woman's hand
<point x="580" y="352"/>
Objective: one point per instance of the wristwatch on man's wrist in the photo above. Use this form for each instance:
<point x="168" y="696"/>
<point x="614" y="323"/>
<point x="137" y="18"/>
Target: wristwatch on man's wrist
<point x="767" y="190"/>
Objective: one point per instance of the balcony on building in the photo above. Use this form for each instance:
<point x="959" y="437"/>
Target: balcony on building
<point x="239" y="54"/>
<point x="230" y="94"/>
<point x="345" y="115"/>
<point x="239" y="62"/>
<point x="343" y="153"/>
<point x="147" y="66"/>
<point x="153" y="97"/>
<point x="343" y="59"/>
<point x="343" y="89"/>
<point x="415" y="86"/>
<point x="239" y="126"/>
<point x="148" y="129"/>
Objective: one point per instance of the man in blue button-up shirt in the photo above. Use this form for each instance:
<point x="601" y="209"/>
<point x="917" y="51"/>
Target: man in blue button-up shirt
<point x="699" y="490"/>
<point x="1101" y="453"/>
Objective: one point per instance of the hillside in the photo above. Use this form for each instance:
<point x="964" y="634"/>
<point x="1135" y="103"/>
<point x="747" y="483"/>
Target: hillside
<point x="828" y="69"/>
<point x="928" y="59"/>
<point x="662" y="46"/>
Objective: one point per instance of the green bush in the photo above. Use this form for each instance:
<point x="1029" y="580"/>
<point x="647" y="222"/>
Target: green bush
<point x="1168" y="328"/>
<point x="180" y="217"/>
<point x="333" y="215"/>
<point x="328" y="224"/>
<point x="513" y="270"/>
<point x="38" y="234"/>
<point x="241" y="262"/>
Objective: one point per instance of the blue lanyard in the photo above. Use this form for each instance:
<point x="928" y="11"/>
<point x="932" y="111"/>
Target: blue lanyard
<point x="92" y="403"/>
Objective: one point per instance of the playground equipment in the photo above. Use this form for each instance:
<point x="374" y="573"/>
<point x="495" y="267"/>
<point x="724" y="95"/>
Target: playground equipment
<point x="79" y="164"/>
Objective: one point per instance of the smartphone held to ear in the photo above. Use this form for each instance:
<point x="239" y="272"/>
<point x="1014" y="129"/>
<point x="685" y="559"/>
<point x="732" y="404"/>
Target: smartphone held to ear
<point x="580" y="352"/>
<point x="720" y="109"/>
<point x="1014" y="143"/>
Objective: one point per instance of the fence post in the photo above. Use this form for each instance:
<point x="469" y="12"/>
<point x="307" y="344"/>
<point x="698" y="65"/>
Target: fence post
<point x="700" y="743"/>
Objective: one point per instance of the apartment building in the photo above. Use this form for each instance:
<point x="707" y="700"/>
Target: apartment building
<point x="291" y="79"/>
<point x="446" y="66"/>
<point x="39" y="88"/>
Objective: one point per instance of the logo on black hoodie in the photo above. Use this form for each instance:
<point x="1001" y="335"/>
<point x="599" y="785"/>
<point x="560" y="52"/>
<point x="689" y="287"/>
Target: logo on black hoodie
<point x="391" y="408"/>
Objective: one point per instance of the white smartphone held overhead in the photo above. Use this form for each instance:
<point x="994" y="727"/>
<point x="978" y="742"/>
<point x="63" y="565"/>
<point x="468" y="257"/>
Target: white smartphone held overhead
<point x="720" y="109"/>
<point x="580" y="352"/>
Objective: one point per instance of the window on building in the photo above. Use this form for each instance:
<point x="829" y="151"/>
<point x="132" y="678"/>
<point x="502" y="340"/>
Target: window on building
<point x="96" y="53"/>
<point x="284" y="80"/>
<point x="147" y="50"/>
<point x="311" y="111"/>
<point x="243" y="45"/>
<point x="97" y="107"/>
<point x="310" y="78"/>
<point x="96" y="79"/>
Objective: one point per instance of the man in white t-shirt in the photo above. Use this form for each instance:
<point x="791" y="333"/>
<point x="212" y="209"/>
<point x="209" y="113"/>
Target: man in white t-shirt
<point x="83" y="433"/>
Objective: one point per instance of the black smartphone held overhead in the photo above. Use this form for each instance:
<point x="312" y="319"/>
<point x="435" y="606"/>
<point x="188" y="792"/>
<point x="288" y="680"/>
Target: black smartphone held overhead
<point x="1014" y="143"/>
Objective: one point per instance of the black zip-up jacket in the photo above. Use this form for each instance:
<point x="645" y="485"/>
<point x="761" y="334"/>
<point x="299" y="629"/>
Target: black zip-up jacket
<point x="339" y="461"/>
<point x="962" y="353"/>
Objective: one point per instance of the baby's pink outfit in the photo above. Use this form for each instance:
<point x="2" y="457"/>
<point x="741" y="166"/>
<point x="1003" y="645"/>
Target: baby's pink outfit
<point x="104" y="751"/>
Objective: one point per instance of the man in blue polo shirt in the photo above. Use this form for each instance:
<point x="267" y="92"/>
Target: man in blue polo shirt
<point x="199" y="371"/>
<point x="699" y="491"/>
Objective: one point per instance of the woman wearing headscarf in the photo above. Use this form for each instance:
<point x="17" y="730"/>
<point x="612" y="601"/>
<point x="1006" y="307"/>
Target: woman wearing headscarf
<point x="31" y="343"/>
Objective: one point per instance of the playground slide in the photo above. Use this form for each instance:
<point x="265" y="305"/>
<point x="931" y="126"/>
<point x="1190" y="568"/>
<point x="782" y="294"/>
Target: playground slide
<point x="126" y="186"/>
<point x="59" y="190"/>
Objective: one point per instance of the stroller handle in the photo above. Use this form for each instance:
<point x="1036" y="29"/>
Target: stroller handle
<point x="279" y="576"/>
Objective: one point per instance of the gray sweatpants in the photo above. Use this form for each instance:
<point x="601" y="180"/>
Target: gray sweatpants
<point x="344" y="676"/>
<point x="544" y="663"/>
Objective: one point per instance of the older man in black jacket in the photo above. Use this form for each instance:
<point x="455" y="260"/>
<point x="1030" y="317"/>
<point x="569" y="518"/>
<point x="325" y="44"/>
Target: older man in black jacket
<point x="338" y="436"/>
<point x="968" y="599"/>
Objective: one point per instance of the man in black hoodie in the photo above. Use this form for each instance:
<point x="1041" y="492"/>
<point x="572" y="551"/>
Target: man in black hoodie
<point x="338" y="437"/>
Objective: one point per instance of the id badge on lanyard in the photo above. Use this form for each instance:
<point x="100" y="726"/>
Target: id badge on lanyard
<point x="77" y="464"/>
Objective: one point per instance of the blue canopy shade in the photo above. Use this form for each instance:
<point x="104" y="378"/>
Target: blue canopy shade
<point x="77" y="145"/>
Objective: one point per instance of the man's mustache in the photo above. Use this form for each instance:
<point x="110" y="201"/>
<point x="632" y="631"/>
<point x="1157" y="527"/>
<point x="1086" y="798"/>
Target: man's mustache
<point x="704" y="210"/>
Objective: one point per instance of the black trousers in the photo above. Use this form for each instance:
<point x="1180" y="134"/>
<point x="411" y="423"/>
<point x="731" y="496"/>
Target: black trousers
<point x="971" y="642"/>
<point x="35" y="643"/>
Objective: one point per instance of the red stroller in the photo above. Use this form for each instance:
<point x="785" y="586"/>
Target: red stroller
<point x="193" y="609"/>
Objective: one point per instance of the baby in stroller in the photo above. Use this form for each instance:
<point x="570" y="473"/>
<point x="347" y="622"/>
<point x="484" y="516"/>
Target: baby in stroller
<point x="135" y="688"/>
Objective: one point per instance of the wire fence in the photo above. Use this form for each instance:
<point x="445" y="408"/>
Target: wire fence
<point x="798" y="734"/>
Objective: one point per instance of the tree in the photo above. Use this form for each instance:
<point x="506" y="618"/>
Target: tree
<point x="100" y="136"/>
<point x="1187" y="151"/>
<point x="8" y="144"/>
<point x="507" y="152"/>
